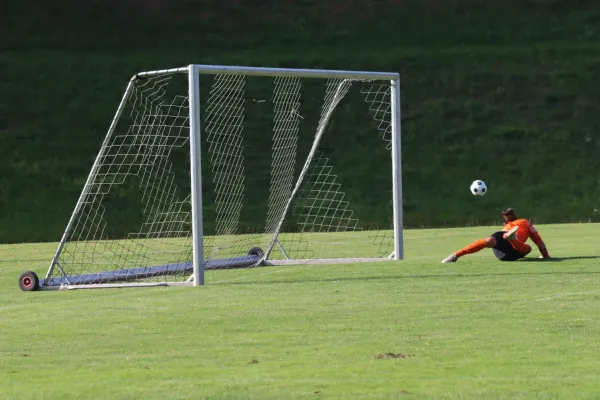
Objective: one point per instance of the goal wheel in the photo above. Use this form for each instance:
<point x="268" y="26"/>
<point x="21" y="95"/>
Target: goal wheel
<point x="256" y="251"/>
<point x="29" y="281"/>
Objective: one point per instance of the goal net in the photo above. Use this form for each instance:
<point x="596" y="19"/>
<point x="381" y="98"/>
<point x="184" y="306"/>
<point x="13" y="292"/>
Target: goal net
<point x="213" y="167"/>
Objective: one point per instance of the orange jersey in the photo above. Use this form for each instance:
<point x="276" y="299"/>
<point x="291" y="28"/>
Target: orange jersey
<point x="526" y="231"/>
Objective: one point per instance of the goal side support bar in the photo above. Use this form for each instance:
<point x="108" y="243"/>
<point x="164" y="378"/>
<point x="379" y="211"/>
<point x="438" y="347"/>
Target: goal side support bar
<point x="397" y="169"/>
<point x="196" y="176"/>
<point x="89" y="181"/>
<point x="337" y="97"/>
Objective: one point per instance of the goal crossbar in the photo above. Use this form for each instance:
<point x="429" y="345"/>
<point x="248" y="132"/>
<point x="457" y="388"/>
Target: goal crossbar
<point x="274" y="72"/>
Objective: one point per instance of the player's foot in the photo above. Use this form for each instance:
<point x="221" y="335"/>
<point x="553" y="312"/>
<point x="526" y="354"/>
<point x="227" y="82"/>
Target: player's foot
<point x="451" y="258"/>
<point x="511" y="234"/>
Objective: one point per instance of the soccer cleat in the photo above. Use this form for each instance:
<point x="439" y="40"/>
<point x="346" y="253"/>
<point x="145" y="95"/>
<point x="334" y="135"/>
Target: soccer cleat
<point x="511" y="234"/>
<point x="451" y="258"/>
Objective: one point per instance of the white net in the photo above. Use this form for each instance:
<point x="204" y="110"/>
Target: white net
<point x="292" y="165"/>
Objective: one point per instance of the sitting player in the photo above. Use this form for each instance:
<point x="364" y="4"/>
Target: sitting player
<point x="508" y="244"/>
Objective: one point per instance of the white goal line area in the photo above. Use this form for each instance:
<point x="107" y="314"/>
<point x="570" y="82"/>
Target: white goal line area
<point x="214" y="167"/>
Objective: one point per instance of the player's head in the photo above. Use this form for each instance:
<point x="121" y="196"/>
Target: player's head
<point x="508" y="215"/>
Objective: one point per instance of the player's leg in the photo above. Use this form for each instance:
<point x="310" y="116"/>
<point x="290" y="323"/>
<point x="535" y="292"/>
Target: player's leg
<point x="505" y="245"/>
<point x="478" y="245"/>
<point x="511" y="236"/>
<point x="509" y="250"/>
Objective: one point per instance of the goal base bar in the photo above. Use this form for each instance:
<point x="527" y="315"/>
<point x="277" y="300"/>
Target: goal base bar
<point x="113" y="285"/>
<point x="148" y="272"/>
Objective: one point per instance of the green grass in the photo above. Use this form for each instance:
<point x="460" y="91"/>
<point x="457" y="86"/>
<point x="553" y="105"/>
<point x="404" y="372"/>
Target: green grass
<point x="475" y="329"/>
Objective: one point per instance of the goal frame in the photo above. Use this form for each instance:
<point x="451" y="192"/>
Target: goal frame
<point x="194" y="71"/>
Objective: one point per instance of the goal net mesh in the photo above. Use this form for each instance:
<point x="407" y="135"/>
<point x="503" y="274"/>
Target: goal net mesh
<point x="298" y="166"/>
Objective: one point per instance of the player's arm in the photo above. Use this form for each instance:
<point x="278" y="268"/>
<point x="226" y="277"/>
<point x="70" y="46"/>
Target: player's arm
<point x="537" y="239"/>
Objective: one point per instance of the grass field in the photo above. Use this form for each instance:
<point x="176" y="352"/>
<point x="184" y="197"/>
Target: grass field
<point x="476" y="329"/>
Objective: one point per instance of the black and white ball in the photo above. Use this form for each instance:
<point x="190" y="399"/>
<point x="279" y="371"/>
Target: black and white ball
<point x="478" y="188"/>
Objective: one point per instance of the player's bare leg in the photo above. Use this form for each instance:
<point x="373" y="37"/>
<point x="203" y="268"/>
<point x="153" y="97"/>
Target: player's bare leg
<point x="511" y="234"/>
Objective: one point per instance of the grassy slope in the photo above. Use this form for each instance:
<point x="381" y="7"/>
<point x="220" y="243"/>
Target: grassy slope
<point x="475" y="329"/>
<point x="499" y="93"/>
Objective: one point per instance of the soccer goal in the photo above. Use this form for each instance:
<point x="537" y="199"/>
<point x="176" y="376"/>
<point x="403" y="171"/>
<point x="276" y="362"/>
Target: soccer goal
<point x="219" y="167"/>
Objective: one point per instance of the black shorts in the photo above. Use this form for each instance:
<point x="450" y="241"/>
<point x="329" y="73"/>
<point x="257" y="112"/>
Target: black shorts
<point x="504" y="250"/>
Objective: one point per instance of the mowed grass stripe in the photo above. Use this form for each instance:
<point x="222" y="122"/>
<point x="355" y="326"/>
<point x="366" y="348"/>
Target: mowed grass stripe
<point x="475" y="329"/>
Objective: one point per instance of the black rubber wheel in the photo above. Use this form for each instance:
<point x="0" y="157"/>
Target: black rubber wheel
<point x="29" y="281"/>
<point x="256" y="251"/>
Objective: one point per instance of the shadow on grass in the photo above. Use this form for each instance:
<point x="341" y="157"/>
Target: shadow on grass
<point x="434" y="276"/>
<point x="559" y="259"/>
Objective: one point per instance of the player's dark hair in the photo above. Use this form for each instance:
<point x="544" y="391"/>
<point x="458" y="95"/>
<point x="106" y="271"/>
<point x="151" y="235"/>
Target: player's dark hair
<point x="509" y="212"/>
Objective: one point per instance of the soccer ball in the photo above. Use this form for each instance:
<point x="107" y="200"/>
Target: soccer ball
<point x="478" y="188"/>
